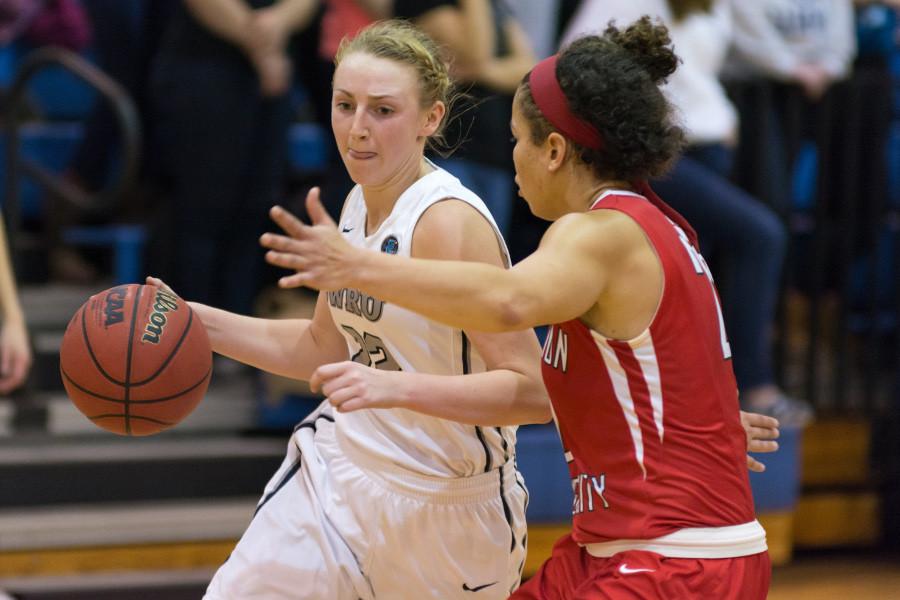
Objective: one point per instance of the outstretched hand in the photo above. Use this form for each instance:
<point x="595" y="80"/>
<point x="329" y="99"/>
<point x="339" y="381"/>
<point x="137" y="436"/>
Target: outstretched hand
<point x="762" y="431"/>
<point x="317" y="253"/>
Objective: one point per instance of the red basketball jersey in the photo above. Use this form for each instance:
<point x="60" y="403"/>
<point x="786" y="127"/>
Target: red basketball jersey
<point x="651" y="426"/>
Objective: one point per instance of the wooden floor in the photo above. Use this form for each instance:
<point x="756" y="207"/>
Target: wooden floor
<point x="838" y="576"/>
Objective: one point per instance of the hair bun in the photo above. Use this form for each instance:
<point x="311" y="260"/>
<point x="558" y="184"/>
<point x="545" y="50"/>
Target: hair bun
<point x="649" y="45"/>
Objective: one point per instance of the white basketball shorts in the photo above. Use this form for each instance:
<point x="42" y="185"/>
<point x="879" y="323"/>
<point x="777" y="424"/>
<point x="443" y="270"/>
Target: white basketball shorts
<point x="335" y="526"/>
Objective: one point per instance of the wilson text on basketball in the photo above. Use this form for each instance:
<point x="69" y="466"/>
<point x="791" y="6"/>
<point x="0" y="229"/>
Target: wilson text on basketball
<point x="156" y="322"/>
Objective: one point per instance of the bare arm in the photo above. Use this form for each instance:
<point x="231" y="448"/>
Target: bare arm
<point x="262" y="35"/>
<point x="229" y="19"/>
<point x="287" y="347"/>
<point x="466" y="32"/>
<point x="380" y="9"/>
<point x="272" y="26"/>
<point x="510" y="392"/>
<point x="562" y="280"/>
<point x="505" y="74"/>
<point x="15" y="350"/>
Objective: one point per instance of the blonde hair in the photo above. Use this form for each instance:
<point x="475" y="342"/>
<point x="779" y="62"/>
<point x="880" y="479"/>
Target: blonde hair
<point x="401" y="42"/>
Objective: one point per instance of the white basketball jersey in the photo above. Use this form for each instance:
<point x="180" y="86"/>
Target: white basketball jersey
<point x="389" y="337"/>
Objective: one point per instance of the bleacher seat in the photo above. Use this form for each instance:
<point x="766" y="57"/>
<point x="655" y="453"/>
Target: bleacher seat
<point x="125" y="241"/>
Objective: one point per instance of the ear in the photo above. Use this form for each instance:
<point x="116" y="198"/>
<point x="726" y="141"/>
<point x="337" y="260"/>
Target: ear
<point x="556" y="147"/>
<point x="433" y="118"/>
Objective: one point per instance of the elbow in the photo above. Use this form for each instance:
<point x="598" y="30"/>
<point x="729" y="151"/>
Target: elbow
<point x="509" y="315"/>
<point x="542" y="415"/>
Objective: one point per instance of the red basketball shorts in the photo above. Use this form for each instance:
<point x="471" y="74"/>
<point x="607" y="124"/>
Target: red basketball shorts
<point x="573" y="574"/>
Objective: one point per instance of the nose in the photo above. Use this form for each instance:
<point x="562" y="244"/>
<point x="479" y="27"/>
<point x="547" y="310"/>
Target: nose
<point x="359" y="128"/>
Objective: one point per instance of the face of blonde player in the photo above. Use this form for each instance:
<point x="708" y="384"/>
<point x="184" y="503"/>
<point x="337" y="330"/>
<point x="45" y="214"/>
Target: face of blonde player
<point x="378" y="123"/>
<point x="527" y="158"/>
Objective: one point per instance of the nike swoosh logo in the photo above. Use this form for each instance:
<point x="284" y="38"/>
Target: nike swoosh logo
<point x="477" y="588"/>
<point x="624" y="570"/>
<point x="346" y="229"/>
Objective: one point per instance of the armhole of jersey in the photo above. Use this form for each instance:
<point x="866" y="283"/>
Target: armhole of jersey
<point x="662" y="266"/>
<point x="501" y="243"/>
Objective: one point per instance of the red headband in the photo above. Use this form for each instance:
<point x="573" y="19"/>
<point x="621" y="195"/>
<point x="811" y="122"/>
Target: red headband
<point x="553" y="105"/>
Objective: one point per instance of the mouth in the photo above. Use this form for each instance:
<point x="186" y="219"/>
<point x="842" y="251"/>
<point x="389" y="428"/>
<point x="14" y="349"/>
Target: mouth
<point x="359" y="155"/>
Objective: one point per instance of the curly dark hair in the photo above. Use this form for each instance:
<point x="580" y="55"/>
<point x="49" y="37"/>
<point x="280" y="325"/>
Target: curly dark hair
<point x="612" y="82"/>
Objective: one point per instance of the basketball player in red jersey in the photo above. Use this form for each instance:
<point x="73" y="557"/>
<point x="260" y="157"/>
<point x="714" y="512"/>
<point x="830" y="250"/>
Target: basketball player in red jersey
<point x="637" y="362"/>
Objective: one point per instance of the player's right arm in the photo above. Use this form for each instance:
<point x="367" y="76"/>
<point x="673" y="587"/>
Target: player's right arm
<point x="286" y="347"/>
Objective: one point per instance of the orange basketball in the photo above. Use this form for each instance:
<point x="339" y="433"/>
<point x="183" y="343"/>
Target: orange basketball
<point x="135" y="359"/>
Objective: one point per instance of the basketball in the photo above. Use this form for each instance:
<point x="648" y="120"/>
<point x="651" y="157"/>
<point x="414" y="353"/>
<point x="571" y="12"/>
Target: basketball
<point x="135" y="359"/>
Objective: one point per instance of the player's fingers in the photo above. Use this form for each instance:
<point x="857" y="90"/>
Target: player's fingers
<point x="334" y="385"/>
<point x="294" y="281"/>
<point x="6" y="375"/>
<point x="758" y="420"/>
<point x="763" y="433"/>
<point x="281" y="243"/>
<point x="286" y="260"/>
<point x="17" y="372"/>
<point x="289" y="223"/>
<point x="326" y="373"/>
<point x="353" y="404"/>
<point x="754" y="465"/>
<point x="340" y="396"/>
<point x="762" y="446"/>
<point x="157" y="282"/>
<point x="317" y="213"/>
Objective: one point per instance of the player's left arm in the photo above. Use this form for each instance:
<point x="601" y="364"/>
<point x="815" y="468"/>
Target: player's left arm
<point x="562" y="280"/>
<point x="510" y="392"/>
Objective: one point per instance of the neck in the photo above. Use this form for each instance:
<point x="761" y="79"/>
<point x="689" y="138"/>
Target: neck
<point x="380" y="199"/>
<point x="603" y="186"/>
<point x="584" y="187"/>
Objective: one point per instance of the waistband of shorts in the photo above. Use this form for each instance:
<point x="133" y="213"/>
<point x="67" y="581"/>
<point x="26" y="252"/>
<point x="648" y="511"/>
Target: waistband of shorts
<point x="693" y="542"/>
<point x="436" y="490"/>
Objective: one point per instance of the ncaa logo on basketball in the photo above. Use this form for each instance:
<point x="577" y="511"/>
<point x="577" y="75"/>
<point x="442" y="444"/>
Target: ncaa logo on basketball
<point x="390" y="245"/>
<point x="113" y="305"/>
<point x="156" y="322"/>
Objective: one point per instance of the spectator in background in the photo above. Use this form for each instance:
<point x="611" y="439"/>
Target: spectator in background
<point x="809" y="43"/>
<point x="15" y="351"/>
<point x="795" y="45"/>
<point x="479" y="134"/>
<point x="219" y="91"/>
<point x="744" y="238"/>
<point x="45" y="22"/>
<point x="539" y="19"/>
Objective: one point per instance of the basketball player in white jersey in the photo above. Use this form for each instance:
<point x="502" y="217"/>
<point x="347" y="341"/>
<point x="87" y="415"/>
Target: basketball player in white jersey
<point x="424" y="500"/>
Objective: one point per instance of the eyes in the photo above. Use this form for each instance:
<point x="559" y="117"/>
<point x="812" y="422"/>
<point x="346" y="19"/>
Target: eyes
<point x="380" y="110"/>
